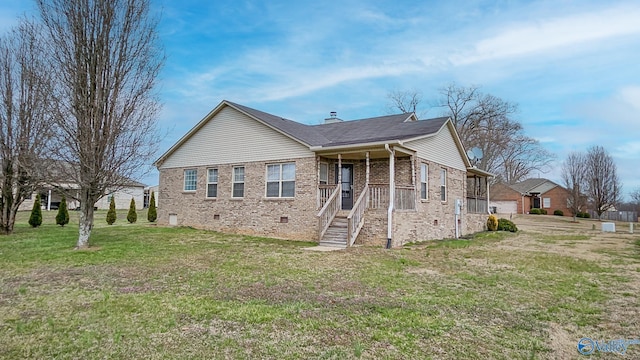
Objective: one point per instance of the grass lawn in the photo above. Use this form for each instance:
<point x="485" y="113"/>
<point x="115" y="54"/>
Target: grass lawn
<point x="149" y="292"/>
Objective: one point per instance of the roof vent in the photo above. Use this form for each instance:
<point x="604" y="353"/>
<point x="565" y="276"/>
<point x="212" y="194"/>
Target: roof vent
<point x="333" y="118"/>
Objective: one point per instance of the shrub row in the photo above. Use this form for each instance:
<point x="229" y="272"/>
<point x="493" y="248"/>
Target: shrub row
<point x="536" y="211"/>
<point x="584" y="215"/>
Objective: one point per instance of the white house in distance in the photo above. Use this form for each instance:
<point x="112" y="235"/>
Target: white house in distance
<point x="50" y="198"/>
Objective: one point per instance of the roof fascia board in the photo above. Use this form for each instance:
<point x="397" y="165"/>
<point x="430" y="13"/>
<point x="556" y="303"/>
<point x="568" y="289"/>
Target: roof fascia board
<point x="190" y="133"/>
<point x="322" y="149"/>
<point x="476" y="171"/>
<point x="206" y="119"/>
<point x="456" y="140"/>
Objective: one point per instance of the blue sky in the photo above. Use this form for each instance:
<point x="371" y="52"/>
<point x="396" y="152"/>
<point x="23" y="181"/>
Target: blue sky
<point x="571" y="66"/>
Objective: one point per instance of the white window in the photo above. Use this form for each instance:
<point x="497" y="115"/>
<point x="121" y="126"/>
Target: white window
<point x="443" y="184"/>
<point x="212" y="183"/>
<point x="324" y="174"/>
<point x="190" y="179"/>
<point x="424" y="181"/>
<point x="237" y="190"/>
<point x="546" y="202"/>
<point x="281" y="180"/>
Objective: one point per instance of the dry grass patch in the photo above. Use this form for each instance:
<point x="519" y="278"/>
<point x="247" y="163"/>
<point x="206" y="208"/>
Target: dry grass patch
<point x="153" y="292"/>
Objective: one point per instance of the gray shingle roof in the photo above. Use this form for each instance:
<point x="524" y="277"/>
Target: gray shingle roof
<point x="534" y="185"/>
<point x="302" y="132"/>
<point x="363" y="131"/>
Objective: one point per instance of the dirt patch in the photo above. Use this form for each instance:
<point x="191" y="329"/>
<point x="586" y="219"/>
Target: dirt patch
<point x="563" y="340"/>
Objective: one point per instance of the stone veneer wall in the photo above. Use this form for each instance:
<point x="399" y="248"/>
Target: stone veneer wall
<point x="474" y="223"/>
<point x="254" y="214"/>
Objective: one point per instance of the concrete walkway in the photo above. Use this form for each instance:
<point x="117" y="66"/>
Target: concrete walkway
<point x="323" y="248"/>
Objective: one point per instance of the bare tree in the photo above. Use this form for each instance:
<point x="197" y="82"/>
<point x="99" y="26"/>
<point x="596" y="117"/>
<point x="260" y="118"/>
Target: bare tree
<point x="407" y="101"/>
<point x="574" y="171"/>
<point x="486" y="121"/>
<point x="634" y="204"/>
<point x="603" y="184"/>
<point x="635" y="196"/>
<point x="105" y="58"/>
<point x="24" y="121"/>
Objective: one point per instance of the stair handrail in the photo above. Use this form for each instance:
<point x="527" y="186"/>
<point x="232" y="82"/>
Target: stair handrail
<point x="355" y="219"/>
<point x="329" y="211"/>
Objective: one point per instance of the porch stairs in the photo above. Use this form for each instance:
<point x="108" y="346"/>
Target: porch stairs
<point x="336" y="234"/>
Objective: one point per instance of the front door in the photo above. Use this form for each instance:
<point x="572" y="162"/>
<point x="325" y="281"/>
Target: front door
<point x="347" y="185"/>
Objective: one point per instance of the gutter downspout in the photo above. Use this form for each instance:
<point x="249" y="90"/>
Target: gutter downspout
<point x="392" y="195"/>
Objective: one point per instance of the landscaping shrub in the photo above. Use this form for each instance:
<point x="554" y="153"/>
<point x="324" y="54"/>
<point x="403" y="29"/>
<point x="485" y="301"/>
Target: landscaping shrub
<point x="132" y="216"/>
<point x="506" y="225"/>
<point x="152" y="214"/>
<point x="535" y="211"/>
<point x="584" y="215"/>
<point x="35" y="219"/>
<point x="558" y="213"/>
<point x="111" y="214"/>
<point x="492" y="223"/>
<point x="543" y="211"/>
<point x="62" y="218"/>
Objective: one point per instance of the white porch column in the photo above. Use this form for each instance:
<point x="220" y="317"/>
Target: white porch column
<point x="367" y="173"/>
<point x="486" y="183"/>
<point x="318" y="182"/>
<point x="392" y="194"/>
<point x="340" y="180"/>
<point x="49" y="201"/>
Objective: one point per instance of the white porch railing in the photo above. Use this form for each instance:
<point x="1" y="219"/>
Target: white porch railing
<point x="405" y="198"/>
<point x="378" y="196"/>
<point x="355" y="219"/>
<point x="329" y="210"/>
<point x="476" y="205"/>
<point x="324" y="192"/>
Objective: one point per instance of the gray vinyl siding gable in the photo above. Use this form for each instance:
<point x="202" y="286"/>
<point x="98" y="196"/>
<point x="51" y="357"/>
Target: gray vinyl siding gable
<point x="232" y="137"/>
<point x="440" y="148"/>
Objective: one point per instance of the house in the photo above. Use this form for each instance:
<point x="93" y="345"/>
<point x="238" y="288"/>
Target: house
<point x="521" y="197"/>
<point x="57" y="183"/>
<point x="386" y="180"/>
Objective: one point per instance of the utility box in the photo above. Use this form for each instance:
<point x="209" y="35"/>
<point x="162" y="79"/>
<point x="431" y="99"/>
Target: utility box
<point x="608" y="227"/>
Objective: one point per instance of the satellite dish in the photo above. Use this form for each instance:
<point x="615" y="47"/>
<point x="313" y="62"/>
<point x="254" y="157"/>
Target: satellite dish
<point x="471" y="155"/>
<point x="477" y="152"/>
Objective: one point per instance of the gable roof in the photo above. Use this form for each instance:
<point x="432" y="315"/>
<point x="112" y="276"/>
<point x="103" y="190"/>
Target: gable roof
<point x="399" y="127"/>
<point x="383" y="128"/>
<point x="534" y="185"/>
<point x="391" y="127"/>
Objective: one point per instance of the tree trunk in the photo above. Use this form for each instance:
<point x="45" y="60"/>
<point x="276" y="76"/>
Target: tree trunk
<point x="86" y="222"/>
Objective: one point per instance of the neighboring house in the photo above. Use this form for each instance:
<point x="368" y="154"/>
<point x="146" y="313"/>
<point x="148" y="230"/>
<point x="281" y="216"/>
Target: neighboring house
<point x="521" y="197"/>
<point x="385" y="180"/>
<point x="51" y="194"/>
<point x="123" y="195"/>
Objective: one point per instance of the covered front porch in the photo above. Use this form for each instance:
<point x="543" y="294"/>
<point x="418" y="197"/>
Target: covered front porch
<point x="353" y="181"/>
<point x="387" y="180"/>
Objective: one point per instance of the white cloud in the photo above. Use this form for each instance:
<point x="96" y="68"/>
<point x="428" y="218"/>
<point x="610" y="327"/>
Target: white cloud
<point x="557" y="34"/>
